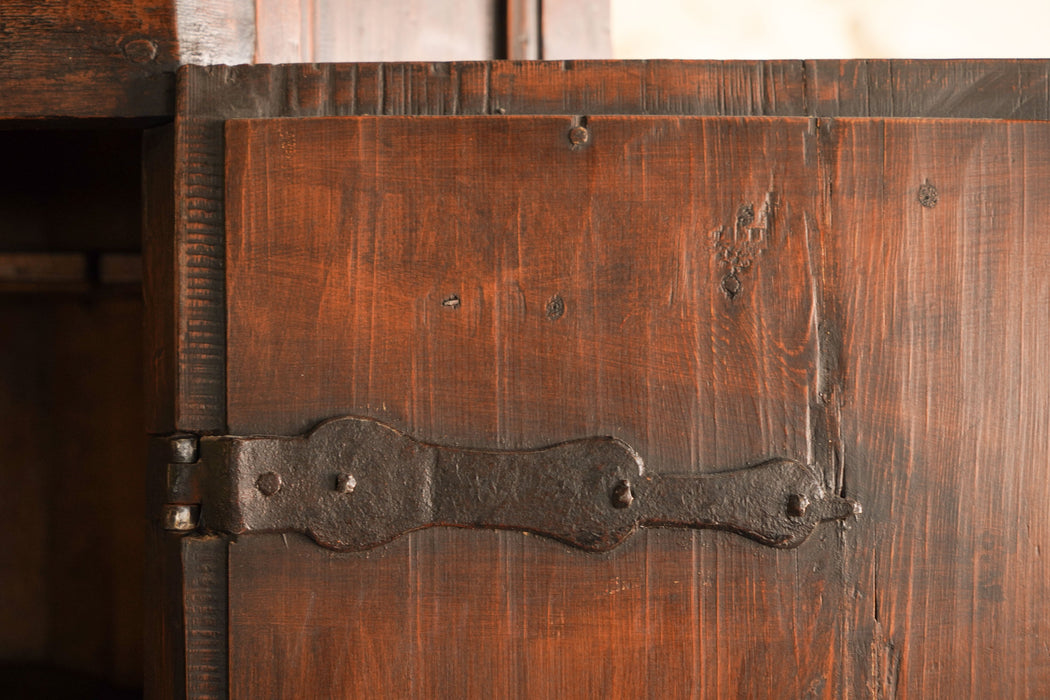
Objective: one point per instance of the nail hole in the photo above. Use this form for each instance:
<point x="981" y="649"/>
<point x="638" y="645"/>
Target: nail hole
<point x="555" y="307"/>
<point x="928" y="195"/>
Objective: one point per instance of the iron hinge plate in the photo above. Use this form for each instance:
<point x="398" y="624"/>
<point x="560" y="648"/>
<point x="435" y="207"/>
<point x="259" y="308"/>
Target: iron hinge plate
<point x="355" y="483"/>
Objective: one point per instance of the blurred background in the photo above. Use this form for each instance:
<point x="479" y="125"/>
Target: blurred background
<point x="761" y="29"/>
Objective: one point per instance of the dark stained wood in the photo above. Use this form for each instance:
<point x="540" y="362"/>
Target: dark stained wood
<point x="159" y="285"/>
<point x="84" y="58"/>
<point x="204" y="597"/>
<point x="988" y="89"/>
<point x="926" y="400"/>
<point x="943" y="314"/>
<point x="67" y="272"/>
<point x="72" y="553"/>
<point x="207" y="96"/>
<point x="347" y="239"/>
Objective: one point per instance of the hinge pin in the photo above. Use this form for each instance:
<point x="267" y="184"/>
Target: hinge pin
<point x="177" y="516"/>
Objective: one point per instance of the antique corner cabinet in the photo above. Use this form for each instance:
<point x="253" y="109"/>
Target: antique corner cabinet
<point x="534" y="379"/>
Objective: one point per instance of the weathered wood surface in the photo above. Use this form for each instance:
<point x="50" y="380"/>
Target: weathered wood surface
<point x="83" y="58"/>
<point x="210" y="95"/>
<point x="452" y="276"/>
<point x="408" y="268"/>
<point x="935" y="590"/>
<point x="944" y="315"/>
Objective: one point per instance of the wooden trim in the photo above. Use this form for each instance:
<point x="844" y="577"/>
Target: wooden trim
<point x="158" y="280"/>
<point x="523" y="30"/>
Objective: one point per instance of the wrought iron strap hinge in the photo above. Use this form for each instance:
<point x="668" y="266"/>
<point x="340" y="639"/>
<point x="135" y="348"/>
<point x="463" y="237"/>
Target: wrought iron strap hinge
<point x="354" y="483"/>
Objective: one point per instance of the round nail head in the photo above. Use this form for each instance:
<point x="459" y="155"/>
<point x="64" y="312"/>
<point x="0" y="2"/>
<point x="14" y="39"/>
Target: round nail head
<point x="268" y="483"/>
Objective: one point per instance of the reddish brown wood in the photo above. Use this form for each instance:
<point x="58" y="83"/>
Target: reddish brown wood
<point x="404" y="268"/>
<point x="783" y="88"/>
<point x="85" y="58"/>
<point x="934" y="591"/>
<point x="944" y="313"/>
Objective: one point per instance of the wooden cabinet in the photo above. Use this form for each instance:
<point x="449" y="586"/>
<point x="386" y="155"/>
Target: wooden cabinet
<point x="834" y="263"/>
<point x="698" y="269"/>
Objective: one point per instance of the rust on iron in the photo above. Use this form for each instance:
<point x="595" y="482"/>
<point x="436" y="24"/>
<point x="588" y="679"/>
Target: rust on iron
<point x="355" y="483"/>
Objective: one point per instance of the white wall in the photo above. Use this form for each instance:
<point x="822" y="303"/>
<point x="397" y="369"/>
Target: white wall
<point x="758" y="29"/>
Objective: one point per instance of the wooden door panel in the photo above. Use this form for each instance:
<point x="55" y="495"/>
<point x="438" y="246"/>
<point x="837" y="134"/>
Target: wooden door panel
<point x="894" y="342"/>
<point x="945" y="312"/>
<point x="455" y="613"/>
<point x="406" y="269"/>
<point x="486" y="282"/>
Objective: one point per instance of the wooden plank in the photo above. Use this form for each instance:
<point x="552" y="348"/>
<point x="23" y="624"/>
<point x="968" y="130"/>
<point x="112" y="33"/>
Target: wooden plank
<point x="159" y="284"/>
<point x="71" y="59"/>
<point x="784" y="88"/>
<point x="487" y="264"/>
<point x="943" y="312"/>
<point x="986" y="89"/>
<point x="865" y="654"/>
<point x="407" y="269"/>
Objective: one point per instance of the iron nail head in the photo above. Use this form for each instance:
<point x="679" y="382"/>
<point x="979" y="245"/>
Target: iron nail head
<point x="622" y="494"/>
<point x="268" y="483"/>
<point x="578" y="135"/>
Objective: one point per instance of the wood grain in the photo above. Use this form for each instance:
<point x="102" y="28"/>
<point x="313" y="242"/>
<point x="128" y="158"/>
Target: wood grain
<point x="452" y="276"/>
<point x="209" y="95"/>
<point x="945" y="400"/>
<point x="405" y="269"/>
<point x="83" y="58"/>
<point x="934" y="591"/>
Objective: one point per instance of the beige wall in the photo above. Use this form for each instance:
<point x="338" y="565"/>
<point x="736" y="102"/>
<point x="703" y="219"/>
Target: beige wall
<point x="756" y="29"/>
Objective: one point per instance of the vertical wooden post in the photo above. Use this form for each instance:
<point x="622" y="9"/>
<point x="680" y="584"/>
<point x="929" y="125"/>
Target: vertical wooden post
<point x="523" y="30"/>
